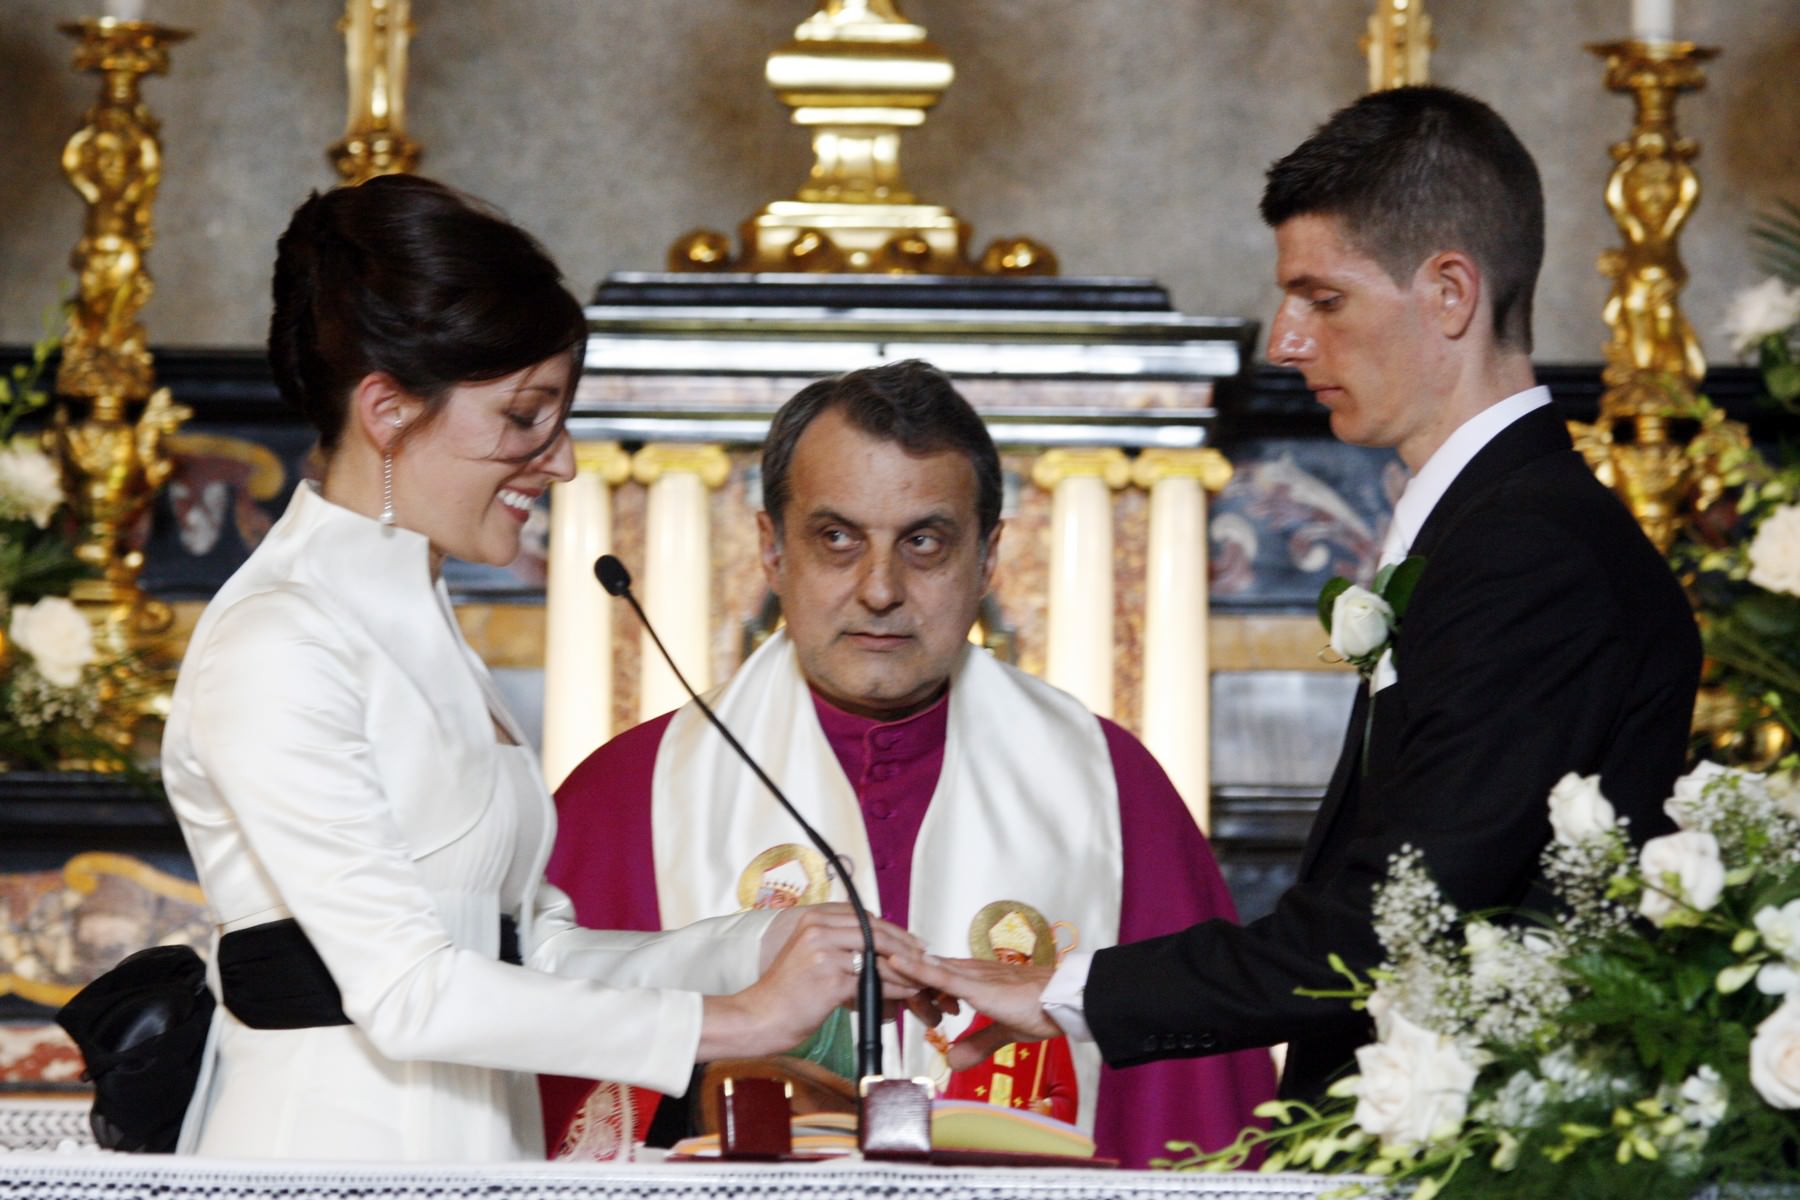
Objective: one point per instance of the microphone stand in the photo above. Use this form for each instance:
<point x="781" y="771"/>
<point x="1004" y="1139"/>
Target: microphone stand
<point x="617" y="581"/>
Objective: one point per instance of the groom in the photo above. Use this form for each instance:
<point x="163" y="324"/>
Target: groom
<point x="1545" y="634"/>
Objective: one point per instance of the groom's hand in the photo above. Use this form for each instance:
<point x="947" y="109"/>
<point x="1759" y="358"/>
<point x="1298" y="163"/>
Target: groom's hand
<point x="1010" y="996"/>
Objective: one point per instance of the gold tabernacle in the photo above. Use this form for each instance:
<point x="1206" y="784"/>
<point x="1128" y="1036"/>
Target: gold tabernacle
<point x="858" y="73"/>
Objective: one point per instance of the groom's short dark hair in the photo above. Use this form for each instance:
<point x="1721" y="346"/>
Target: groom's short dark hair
<point x="1414" y="171"/>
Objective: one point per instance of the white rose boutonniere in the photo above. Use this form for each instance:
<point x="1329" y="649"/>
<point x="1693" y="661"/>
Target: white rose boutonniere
<point x="1364" y="623"/>
<point x="1413" y="1085"/>
<point x="1683" y="877"/>
<point x="58" y="638"/>
<point x="1361" y="623"/>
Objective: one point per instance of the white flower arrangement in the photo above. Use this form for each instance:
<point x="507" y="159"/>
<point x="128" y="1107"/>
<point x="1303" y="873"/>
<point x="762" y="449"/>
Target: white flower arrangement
<point x="1615" y="1049"/>
<point x="1770" y="309"/>
<point x="50" y="673"/>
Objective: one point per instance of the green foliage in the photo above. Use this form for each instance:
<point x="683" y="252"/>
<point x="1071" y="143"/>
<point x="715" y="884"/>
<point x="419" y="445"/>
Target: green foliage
<point x="22" y="391"/>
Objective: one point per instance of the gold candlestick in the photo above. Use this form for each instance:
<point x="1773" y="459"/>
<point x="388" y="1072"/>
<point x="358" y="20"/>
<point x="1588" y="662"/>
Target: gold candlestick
<point x="113" y="466"/>
<point x="376" y="35"/>
<point x="858" y="73"/>
<point x="1653" y="360"/>
<point x="1399" y="44"/>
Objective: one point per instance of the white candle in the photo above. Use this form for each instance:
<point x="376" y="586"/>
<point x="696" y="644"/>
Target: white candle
<point x="1653" y="20"/>
<point x="125" y="10"/>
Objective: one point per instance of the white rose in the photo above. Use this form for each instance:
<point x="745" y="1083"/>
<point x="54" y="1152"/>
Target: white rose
<point x="1756" y="312"/>
<point x="1776" y="979"/>
<point x="58" y="638"/>
<point x="1775" y="551"/>
<point x="1578" y="812"/>
<point x="1780" y="927"/>
<point x="1681" y="871"/>
<point x="1688" y="806"/>
<point x="1414" y="1085"/>
<point x="1360" y="622"/>
<point x="30" y="483"/>
<point x="1775" y="1056"/>
<point x="1704" y="1098"/>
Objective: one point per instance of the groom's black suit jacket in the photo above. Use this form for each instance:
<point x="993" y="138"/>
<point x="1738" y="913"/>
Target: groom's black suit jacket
<point x="1546" y="635"/>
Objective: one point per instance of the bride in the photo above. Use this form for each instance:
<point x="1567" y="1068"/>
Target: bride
<point x="366" y="819"/>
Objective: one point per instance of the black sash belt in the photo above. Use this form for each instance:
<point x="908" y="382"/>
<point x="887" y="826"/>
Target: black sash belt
<point x="272" y="978"/>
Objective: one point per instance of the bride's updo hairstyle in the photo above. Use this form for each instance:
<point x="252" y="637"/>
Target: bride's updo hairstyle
<point x="406" y="276"/>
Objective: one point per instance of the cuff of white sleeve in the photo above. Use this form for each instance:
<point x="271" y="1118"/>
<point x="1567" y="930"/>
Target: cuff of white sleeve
<point x="1064" y="996"/>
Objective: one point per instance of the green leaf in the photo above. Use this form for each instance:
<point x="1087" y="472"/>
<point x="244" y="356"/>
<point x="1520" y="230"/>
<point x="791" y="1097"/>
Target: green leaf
<point x="1401" y="582"/>
<point x="1616" y="985"/>
<point x="1334" y="587"/>
<point x="1783" y="382"/>
<point x="1693" y="980"/>
<point x="1769" y="614"/>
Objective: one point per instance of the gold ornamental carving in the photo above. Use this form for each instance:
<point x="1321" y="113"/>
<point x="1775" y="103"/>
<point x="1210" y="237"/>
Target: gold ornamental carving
<point x="377" y="34"/>
<point x="858" y="73"/>
<point x="1108" y="465"/>
<point x="1399" y="45"/>
<point x="1205" y="464"/>
<point x="112" y="464"/>
<point x="703" y="459"/>
<point x="1653" y="360"/>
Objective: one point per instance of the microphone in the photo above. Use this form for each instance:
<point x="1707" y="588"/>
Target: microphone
<point x="617" y="581"/>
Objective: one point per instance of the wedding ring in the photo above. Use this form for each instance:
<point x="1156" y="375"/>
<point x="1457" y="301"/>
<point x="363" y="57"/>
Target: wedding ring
<point x="856" y="962"/>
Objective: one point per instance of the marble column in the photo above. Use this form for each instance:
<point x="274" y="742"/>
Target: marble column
<point x="1079" y="657"/>
<point x="1177" y="725"/>
<point x="677" y="578"/>
<point x="578" y="615"/>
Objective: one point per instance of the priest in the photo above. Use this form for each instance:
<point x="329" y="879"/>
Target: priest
<point x="954" y="786"/>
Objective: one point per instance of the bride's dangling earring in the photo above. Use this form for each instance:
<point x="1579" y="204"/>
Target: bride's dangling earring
<point x="387" y="482"/>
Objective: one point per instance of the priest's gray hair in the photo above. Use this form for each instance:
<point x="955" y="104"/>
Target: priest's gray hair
<point x="911" y="403"/>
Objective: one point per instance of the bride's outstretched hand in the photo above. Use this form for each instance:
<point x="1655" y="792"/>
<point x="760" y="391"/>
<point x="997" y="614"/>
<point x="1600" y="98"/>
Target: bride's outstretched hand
<point x="811" y="958"/>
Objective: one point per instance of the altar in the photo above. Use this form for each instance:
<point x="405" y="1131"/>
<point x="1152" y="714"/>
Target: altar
<point x="73" y="1177"/>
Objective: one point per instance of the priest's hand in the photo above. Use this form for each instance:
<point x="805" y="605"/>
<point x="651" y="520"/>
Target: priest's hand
<point x="809" y="960"/>
<point x="1010" y="996"/>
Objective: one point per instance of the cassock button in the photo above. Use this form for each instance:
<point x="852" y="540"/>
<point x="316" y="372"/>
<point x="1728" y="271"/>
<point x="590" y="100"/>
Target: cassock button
<point x="1208" y="1041"/>
<point x="1150" y="1044"/>
<point x="1189" y="1042"/>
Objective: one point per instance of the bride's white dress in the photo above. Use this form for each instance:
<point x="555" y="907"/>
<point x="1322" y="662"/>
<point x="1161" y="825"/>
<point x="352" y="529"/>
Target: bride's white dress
<point x="334" y="753"/>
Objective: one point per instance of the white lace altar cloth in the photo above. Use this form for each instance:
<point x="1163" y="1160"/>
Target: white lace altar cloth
<point x="94" y="1176"/>
<point x="32" y="1168"/>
